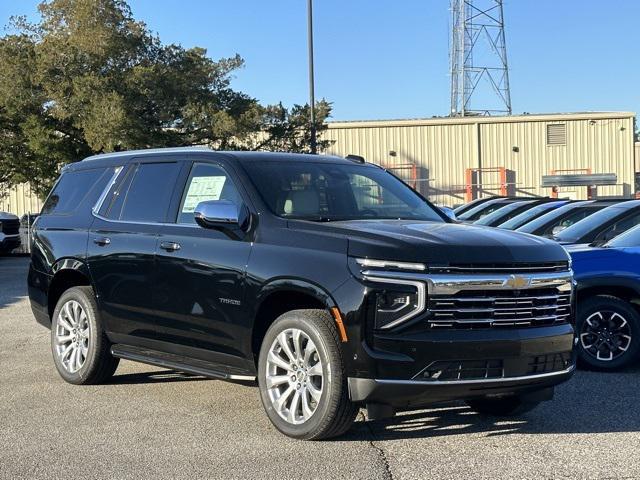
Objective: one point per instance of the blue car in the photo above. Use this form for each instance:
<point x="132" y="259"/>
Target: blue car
<point x="608" y="301"/>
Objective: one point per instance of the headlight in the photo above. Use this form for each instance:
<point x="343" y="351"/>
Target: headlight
<point x="403" y="300"/>
<point x="390" y="264"/>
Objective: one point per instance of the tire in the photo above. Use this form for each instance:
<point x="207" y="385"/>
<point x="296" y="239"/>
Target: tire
<point x="80" y="348"/>
<point x="315" y="416"/>
<point x="617" y="322"/>
<point x="501" y="407"/>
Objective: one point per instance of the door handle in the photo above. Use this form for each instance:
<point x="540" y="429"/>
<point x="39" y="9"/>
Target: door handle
<point x="170" y="246"/>
<point x="102" y="241"/>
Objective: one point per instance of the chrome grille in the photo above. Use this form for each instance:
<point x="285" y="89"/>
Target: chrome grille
<point x="500" y="308"/>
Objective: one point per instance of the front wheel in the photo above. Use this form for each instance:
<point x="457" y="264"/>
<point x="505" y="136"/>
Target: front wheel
<point x="501" y="407"/>
<point x="303" y="385"/>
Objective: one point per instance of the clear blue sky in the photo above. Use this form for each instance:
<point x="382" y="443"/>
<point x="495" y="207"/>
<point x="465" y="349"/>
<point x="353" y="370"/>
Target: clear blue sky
<point x="389" y="59"/>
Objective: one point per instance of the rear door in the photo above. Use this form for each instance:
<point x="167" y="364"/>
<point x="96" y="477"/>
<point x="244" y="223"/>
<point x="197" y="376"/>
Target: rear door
<point x="201" y="274"/>
<point x="121" y="248"/>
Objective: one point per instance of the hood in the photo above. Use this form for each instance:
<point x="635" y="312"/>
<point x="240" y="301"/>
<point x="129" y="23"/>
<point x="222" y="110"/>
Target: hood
<point x="7" y="216"/>
<point x="438" y="243"/>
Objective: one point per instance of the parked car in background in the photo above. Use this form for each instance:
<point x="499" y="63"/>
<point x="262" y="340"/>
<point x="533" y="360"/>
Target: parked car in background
<point x="9" y="232"/>
<point x="485" y="208"/>
<point x="608" y="319"/>
<point x="531" y="214"/>
<point x="329" y="281"/>
<point x="557" y="220"/>
<point x="602" y="226"/>
<point x="509" y="211"/>
<point x="28" y="218"/>
<point x="459" y="210"/>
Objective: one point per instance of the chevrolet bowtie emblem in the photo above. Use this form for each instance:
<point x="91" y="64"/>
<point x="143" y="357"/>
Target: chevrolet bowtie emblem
<point x="517" y="282"/>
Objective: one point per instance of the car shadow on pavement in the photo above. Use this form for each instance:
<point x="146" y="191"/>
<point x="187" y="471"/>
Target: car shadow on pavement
<point x="160" y="376"/>
<point x="590" y="403"/>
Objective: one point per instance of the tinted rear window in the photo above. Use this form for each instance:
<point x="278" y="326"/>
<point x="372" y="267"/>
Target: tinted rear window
<point x="72" y="189"/>
<point x="148" y="196"/>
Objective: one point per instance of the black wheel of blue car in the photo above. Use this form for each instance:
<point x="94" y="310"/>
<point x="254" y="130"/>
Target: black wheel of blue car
<point x="608" y="329"/>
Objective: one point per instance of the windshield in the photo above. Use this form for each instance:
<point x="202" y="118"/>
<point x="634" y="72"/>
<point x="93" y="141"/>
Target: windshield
<point x="524" y="217"/>
<point x="483" y="209"/>
<point x="325" y="191"/>
<point x="502" y="213"/>
<point x="578" y="230"/>
<point x="557" y="217"/>
<point x="630" y="238"/>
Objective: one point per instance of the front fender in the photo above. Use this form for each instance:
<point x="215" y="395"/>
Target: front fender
<point x="297" y="285"/>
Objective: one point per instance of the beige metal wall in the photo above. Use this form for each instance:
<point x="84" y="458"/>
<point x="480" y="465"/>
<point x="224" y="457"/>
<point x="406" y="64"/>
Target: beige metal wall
<point x="20" y="200"/>
<point x="442" y="149"/>
<point x="637" y="147"/>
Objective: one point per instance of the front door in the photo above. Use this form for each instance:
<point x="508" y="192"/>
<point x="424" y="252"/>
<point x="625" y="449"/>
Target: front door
<point x="199" y="295"/>
<point x="121" y="249"/>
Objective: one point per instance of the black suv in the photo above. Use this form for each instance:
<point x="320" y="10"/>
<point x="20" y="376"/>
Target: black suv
<point x="328" y="279"/>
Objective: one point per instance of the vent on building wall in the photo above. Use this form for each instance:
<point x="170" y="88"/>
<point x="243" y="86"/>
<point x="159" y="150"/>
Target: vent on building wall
<point x="556" y="134"/>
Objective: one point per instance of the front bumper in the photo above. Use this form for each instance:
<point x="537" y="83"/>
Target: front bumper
<point x="9" y="242"/>
<point x="418" y="393"/>
<point x="498" y="340"/>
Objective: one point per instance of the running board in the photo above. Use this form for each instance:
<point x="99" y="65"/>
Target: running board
<point x="176" y="362"/>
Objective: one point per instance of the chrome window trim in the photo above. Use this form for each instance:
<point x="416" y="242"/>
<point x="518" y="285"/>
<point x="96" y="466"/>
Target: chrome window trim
<point x="98" y="205"/>
<point x="422" y="297"/>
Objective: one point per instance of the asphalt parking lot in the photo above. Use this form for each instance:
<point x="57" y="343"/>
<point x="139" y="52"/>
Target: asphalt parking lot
<point x="153" y="423"/>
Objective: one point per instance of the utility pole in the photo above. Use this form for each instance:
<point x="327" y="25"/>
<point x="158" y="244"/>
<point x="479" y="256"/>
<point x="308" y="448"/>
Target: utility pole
<point x="478" y="58"/>
<point x="312" y="99"/>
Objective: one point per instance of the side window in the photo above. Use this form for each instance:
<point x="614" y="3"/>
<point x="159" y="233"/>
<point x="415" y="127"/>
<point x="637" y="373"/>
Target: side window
<point x="144" y="194"/>
<point x="149" y="194"/>
<point x="72" y="188"/>
<point x="619" y="227"/>
<point x="206" y="182"/>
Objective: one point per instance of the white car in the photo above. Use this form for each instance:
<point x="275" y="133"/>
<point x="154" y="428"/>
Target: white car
<point x="9" y="232"/>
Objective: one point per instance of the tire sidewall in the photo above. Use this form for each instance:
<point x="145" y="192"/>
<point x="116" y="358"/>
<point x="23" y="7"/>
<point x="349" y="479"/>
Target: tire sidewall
<point x="330" y="388"/>
<point x="626" y="310"/>
<point x="88" y="305"/>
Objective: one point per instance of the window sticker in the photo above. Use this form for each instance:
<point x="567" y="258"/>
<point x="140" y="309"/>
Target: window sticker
<point x="203" y="189"/>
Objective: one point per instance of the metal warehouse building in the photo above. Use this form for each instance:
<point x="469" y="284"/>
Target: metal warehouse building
<point x="452" y="159"/>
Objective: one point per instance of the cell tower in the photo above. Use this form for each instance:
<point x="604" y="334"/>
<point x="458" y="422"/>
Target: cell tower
<point x="478" y="56"/>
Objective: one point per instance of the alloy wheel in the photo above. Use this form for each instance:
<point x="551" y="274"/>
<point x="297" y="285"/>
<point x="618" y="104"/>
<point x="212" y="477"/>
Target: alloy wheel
<point x="294" y="376"/>
<point x="605" y="335"/>
<point x="72" y="336"/>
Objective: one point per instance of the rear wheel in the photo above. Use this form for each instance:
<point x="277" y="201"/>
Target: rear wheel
<point x="81" y="350"/>
<point x="608" y="329"/>
<point x="303" y="385"/>
<point x="502" y="407"/>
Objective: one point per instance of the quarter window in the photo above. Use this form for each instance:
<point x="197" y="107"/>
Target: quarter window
<point x="206" y="182"/>
<point x="72" y="188"/>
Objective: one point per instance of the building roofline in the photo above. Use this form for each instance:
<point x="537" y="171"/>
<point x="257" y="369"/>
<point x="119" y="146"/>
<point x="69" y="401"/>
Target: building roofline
<point x="548" y="117"/>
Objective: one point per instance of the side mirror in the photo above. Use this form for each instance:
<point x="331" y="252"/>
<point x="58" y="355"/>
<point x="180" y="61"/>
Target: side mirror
<point x="449" y="212"/>
<point x="557" y="229"/>
<point x="221" y="214"/>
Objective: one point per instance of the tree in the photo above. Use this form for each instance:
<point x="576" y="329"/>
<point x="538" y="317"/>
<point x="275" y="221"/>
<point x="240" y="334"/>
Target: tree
<point x="88" y="78"/>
